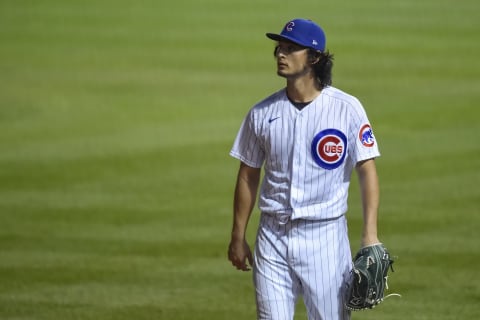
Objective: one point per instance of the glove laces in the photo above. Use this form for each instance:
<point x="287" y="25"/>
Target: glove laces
<point x="386" y="287"/>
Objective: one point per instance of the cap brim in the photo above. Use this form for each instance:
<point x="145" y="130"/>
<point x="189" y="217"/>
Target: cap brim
<point x="278" y="37"/>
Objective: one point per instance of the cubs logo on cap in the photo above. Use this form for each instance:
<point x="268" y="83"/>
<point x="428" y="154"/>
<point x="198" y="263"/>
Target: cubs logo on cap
<point x="366" y="136"/>
<point x="329" y="148"/>
<point x="303" y="32"/>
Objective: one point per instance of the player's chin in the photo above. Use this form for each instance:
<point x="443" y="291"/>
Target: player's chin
<point x="281" y="73"/>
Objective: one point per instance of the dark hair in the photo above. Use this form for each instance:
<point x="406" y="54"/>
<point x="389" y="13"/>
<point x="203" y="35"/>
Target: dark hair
<point x="323" y="67"/>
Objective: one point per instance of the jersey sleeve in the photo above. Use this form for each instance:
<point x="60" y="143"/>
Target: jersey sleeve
<point x="365" y="144"/>
<point x="247" y="147"/>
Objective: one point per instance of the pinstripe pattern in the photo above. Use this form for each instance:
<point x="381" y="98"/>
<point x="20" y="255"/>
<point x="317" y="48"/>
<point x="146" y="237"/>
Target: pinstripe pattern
<point x="278" y="136"/>
<point x="302" y="243"/>
<point x="305" y="257"/>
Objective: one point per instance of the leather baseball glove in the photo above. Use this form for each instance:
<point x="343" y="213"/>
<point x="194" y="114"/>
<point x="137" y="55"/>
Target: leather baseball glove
<point x="368" y="278"/>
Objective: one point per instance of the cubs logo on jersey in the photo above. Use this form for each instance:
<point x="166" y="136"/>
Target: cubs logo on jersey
<point x="329" y="148"/>
<point x="366" y="136"/>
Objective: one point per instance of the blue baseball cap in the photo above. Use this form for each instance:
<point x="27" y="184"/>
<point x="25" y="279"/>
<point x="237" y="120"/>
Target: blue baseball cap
<point x="303" y="32"/>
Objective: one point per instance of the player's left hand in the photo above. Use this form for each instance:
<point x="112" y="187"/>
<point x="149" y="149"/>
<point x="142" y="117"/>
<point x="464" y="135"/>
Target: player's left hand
<point x="239" y="253"/>
<point x="368" y="282"/>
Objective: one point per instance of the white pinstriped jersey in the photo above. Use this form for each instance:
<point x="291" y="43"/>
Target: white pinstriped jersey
<point x="308" y="155"/>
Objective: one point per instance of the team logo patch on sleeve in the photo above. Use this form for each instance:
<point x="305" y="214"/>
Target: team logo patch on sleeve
<point x="329" y="148"/>
<point x="366" y="136"/>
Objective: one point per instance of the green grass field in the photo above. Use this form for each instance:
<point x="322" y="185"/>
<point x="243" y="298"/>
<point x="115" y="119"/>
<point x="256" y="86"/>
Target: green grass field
<point x="117" y="118"/>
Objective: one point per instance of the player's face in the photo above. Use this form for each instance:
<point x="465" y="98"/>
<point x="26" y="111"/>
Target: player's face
<point x="291" y="59"/>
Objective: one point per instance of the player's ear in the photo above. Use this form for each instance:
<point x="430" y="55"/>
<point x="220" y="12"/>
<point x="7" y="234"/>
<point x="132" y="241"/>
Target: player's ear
<point x="315" y="56"/>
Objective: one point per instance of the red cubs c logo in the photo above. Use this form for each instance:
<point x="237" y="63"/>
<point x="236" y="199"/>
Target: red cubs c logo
<point x="329" y="148"/>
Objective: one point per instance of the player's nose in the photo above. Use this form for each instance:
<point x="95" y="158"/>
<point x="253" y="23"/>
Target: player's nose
<point x="278" y="52"/>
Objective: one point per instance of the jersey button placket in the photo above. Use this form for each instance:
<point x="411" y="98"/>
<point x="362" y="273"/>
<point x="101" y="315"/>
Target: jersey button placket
<point x="297" y="155"/>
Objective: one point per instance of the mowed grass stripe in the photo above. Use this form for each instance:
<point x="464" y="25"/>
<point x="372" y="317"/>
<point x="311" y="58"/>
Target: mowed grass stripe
<point x="117" y="118"/>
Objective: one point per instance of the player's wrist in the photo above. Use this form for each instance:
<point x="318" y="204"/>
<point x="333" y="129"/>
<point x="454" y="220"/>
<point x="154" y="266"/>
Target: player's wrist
<point x="238" y="235"/>
<point x="369" y="241"/>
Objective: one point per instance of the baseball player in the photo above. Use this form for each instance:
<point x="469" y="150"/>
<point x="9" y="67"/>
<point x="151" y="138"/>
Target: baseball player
<point x="308" y="137"/>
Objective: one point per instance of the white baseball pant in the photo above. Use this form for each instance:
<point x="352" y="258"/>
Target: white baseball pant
<point x="311" y="258"/>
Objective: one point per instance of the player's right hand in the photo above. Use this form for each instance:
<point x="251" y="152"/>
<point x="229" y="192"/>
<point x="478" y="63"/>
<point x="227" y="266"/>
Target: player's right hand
<point x="239" y="253"/>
